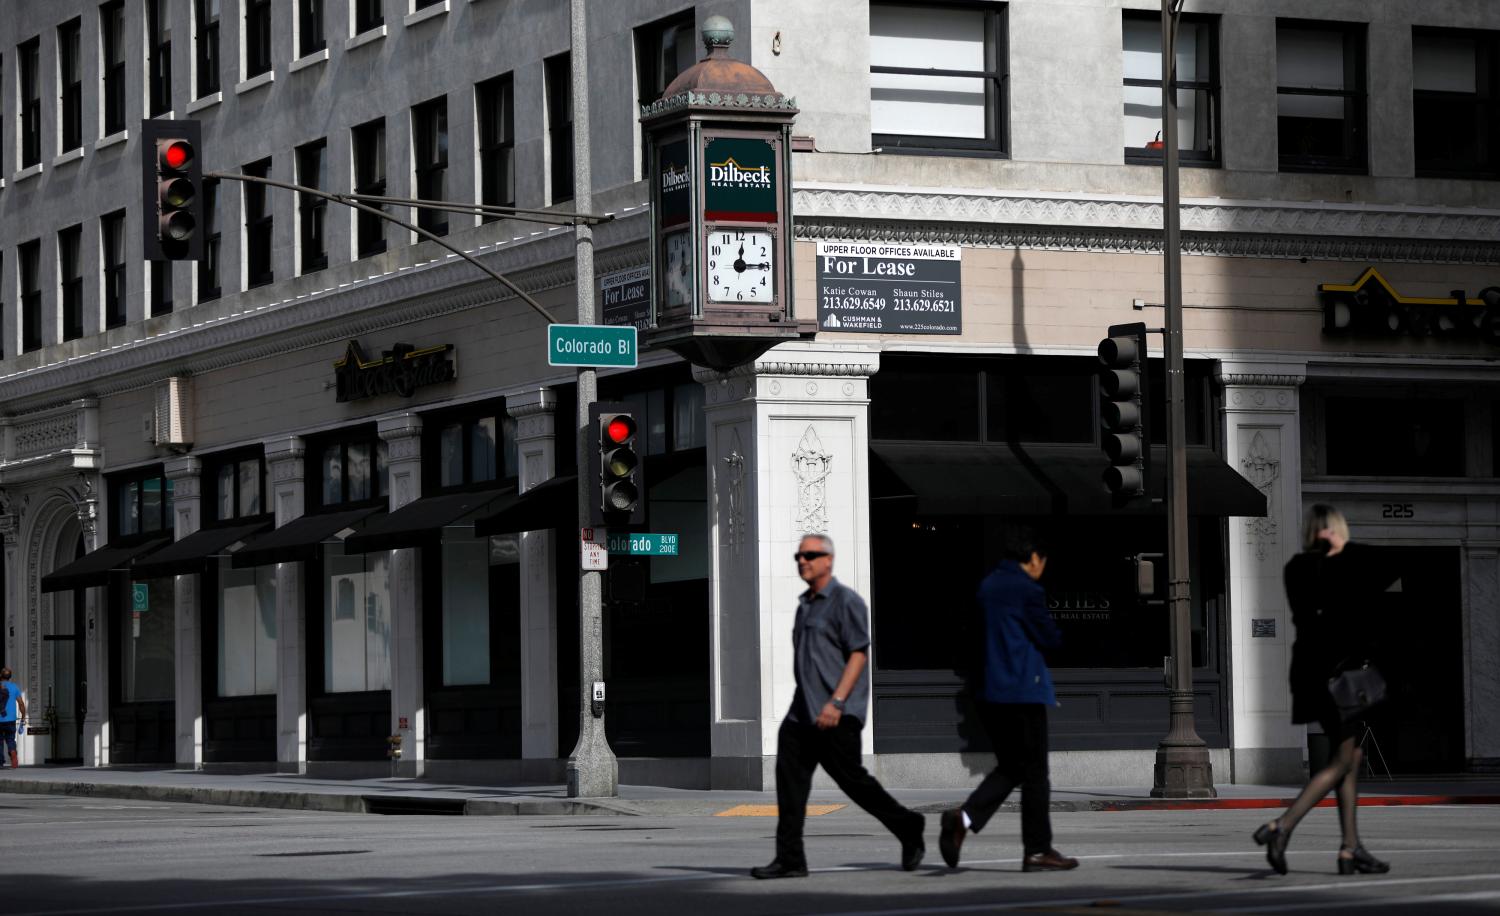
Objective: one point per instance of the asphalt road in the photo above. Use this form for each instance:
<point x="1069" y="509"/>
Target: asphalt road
<point x="73" y="855"/>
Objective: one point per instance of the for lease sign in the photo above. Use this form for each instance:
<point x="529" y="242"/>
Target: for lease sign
<point x="889" y="288"/>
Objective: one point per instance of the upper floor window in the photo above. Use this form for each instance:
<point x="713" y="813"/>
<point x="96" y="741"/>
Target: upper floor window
<point x="429" y="122"/>
<point x="469" y="448"/>
<point x="210" y="269"/>
<point x="70" y="277"/>
<point x="29" y="257"/>
<point x="495" y="100"/>
<point x="368" y="14"/>
<point x="310" y="27"/>
<point x="1320" y="96"/>
<point x="937" y="77"/>
<point x="257" y="37"/>
<point x="663" y="49"/>
<point x="112" y="241"/>
<point x="70" y="75"/>
<point x="112" y="46"/>
<point x="369" y="178"/>
<point x="142" y="503"/>
<point x="312" y="211"/>
<point x="159" y="56"/>
<point x="349" y="469"/>
<point x="558" y="77"/>
<point x="31" y="102"/>
<point x="206" y="45"/>
<point x="1455" y="87"/>
<point x="161" y="287"/>
<point x="258" y="268"/>
<point x="239" y="482"/>
<point x="1197" y="88"/>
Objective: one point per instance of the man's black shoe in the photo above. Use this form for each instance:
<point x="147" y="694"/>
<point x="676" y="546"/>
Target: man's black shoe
<point x="951" y="832"/>
<point x="779" y="869"/>
<point x="913" y="847"/>
<point x="1051" y="860"/>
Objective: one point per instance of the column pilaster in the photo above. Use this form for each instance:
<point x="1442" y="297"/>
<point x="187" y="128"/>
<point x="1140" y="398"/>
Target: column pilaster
<point x="287" y="469"/>
<point x="536" y="446"/>
<point x="403" y="438"/>
<point x="185" y="473"/>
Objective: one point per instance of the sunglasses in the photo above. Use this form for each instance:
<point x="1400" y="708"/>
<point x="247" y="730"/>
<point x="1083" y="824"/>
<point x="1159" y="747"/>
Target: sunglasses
<point x="809" y="555"/>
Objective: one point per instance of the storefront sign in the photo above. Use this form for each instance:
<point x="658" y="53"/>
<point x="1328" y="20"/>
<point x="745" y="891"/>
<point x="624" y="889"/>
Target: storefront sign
<point x="1371" y="307"/>
<point x="740" y="180"/>
<point x="627" y="297"/>
<point x="591" y="345"/>
<point x="642" y="544"/>
<point x="1080" y="606"/>
<point x="400" y="370"/>
<point x="885" y="288"/>
<point x="676" y="184"/>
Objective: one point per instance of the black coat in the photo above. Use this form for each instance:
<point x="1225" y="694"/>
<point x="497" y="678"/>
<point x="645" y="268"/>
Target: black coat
<point x="1333" y="601"/>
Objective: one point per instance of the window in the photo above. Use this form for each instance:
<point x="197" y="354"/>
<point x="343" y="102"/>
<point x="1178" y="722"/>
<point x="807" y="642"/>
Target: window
<point x="497" y="180"/>
<point x="112" y="238"/>
<point x="161" y="288"/>
<point x="1320" y="96"/>
<point x="148" y="644"/>
<point x="70" y="78"/>
<point x="257" y="37"/>
<point x="31" y="103"/>
<point x="350" y="470"/>
<point x="937" y="78"/>
<point x="206" y="45"/>
<point x="70" y="280"/>
<point x="1395" y="436"/>
<point x="210" y="269"/>
<point x="1197" y="89"/>
<point x="258" y="271"/>
<point x="471" y="449"/>
<point x="423" y="4"/>
<point x="430" y="154"/>
<point x="310" y="27"/>
<point x="558" y="77"/>
<point x="368" y="14"/>
<point x="312" y="211"/>
<point x="159" y="57"/>
<point x="238" y="484"/>
<point x="369" y="178"/>
<point x="663" y="49"/>
<point x="1455" y="85"/>
<point x="142" y="503"/>
<point x="112" y="39"/>
<point x="31" y="295"/>
<point x="356" y="621"/>
<point x="247" y="630"/>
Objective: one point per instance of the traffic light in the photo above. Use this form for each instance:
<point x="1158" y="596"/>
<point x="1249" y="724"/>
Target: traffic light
<point x="619" y="499"/>
<point x="172" y="182"/>
<point x="1122" y="401"/>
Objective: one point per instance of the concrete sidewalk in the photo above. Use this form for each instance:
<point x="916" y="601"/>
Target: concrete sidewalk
<point x="418" y="796"/>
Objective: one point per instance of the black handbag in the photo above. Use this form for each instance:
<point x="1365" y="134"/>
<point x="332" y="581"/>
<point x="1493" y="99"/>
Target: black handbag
<point x="1355" y="689"/>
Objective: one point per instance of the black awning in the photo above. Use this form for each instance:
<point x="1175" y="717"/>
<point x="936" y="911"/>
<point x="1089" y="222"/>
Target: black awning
<point x="299" y="538"/>
<point x="1002" y="479"/>
<point x="94" y="568"/>
<point x="192" y="553"/>
<point x="420" y="521"/>
<point x="550" y="504"/>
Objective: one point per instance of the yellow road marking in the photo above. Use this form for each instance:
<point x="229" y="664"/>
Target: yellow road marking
<point x="770" y="810"/>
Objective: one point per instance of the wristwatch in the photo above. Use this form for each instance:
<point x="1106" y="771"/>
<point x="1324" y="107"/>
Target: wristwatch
<point x="837" y="703"/>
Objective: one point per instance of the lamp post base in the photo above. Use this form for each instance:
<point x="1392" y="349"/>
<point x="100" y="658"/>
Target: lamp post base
<point x="1183" y="772"/>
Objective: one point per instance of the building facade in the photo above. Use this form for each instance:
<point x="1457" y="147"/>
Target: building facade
<point x="268" y="509"/>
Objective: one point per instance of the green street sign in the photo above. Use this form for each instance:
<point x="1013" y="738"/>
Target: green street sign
<point x="641" y="544"/>
<point x="591" y="345"/>
<point x="140" y="597"/>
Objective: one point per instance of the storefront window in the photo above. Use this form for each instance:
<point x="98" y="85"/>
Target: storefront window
<point x="473" y="449"/>
<point x="142" y="503"/>
<point x="237" y="487"/>
<point x="1394" y="436"/>
<point x="350" y="470"/>
<point x="687" y="418"/>
<point x="356" y="621"/>
<point x="129" y="518"/>
<point x="148" y="641"/>
<point x="247" y="630"/>
<point x="466" y="611"/>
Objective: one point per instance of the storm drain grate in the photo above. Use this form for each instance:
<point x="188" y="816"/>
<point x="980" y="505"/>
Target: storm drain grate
<point x="380" y="804"/>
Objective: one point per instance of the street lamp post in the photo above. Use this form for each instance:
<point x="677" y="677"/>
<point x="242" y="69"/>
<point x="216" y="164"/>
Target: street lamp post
<point x="1183" y="769"/>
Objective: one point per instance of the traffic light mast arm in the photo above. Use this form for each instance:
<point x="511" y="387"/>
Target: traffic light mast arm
<point x="349" y="201"/>
<point x="556" y="217"/>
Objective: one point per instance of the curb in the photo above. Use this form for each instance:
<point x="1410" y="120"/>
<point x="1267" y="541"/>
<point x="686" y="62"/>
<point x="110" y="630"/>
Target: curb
<point x="1240" y="804"/>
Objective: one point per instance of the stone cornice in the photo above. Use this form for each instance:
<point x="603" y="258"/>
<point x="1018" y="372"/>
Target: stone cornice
<point x="1261" y="381"/>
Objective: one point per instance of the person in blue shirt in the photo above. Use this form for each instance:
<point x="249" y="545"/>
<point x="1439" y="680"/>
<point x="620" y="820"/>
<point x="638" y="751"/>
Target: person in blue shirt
<point x="1012" y="703"/>
<point x="14" y="712"/>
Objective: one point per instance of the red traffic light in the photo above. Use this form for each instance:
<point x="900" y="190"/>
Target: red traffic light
<point x="619" y="430"/>
<point x="176" y="154"/>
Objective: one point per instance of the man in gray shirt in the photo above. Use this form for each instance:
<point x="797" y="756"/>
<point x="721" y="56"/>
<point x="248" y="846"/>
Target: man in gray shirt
<point x="830" y="649"/>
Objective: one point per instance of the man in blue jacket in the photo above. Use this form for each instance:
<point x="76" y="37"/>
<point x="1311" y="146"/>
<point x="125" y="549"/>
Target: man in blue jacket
<point x="1013" y="701"/>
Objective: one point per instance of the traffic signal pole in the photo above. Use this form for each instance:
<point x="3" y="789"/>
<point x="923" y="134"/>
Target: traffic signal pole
<point x="1183" y="769"/>
<point x="592" y="770"/>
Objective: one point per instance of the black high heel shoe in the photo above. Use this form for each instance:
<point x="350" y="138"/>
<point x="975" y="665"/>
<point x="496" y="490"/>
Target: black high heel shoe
<point x="1361" y="862"/>
<point x="1275" y="840"/>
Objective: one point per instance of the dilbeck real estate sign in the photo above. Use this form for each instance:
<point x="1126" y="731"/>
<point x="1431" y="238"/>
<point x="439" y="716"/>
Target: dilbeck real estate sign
<point x="739" y="180"/>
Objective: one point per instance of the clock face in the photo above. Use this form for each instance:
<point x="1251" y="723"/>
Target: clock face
<point x="741" y="265"/>
<point x="679" y="280"/>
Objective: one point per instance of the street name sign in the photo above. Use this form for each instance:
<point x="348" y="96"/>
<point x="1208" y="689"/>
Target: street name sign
<point x="591" y="345"/>
<point x="642" y="544"/>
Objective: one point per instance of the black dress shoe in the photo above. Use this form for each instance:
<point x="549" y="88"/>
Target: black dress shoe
<point x="913" y="847"/>
<point x="1051" y="860"/>
<point x="951" y="833"/>
<point x="779" y="869"/>
<point x="1275" y="841"/>
<point x="1361" y="862"/>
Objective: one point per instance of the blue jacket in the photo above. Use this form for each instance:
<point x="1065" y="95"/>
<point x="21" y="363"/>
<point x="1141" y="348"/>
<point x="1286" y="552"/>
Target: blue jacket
<point x="1016" y="628"/>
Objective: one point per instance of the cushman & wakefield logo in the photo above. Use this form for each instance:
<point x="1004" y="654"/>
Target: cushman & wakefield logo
<point x="401" y="370"/>
<point x="730" y="174"/>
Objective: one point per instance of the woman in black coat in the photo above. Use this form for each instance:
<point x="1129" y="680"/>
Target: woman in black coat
<point x="1331" y="588"/>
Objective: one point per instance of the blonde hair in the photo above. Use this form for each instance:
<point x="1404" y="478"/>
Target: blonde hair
<point x="1321" y="516"/>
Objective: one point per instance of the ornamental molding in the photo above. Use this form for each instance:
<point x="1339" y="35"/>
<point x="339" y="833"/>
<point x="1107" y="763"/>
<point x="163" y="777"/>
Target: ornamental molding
<point x="744" y="101"/>
<point x="811" y="465"/>
<point x="1262" y="467"/>
<point x="1254" y="380"/>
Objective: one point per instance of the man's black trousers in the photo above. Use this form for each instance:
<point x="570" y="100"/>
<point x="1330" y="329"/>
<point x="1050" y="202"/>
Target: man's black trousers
<point x="1018" y="733"/>
<point x="799" y="750"/>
